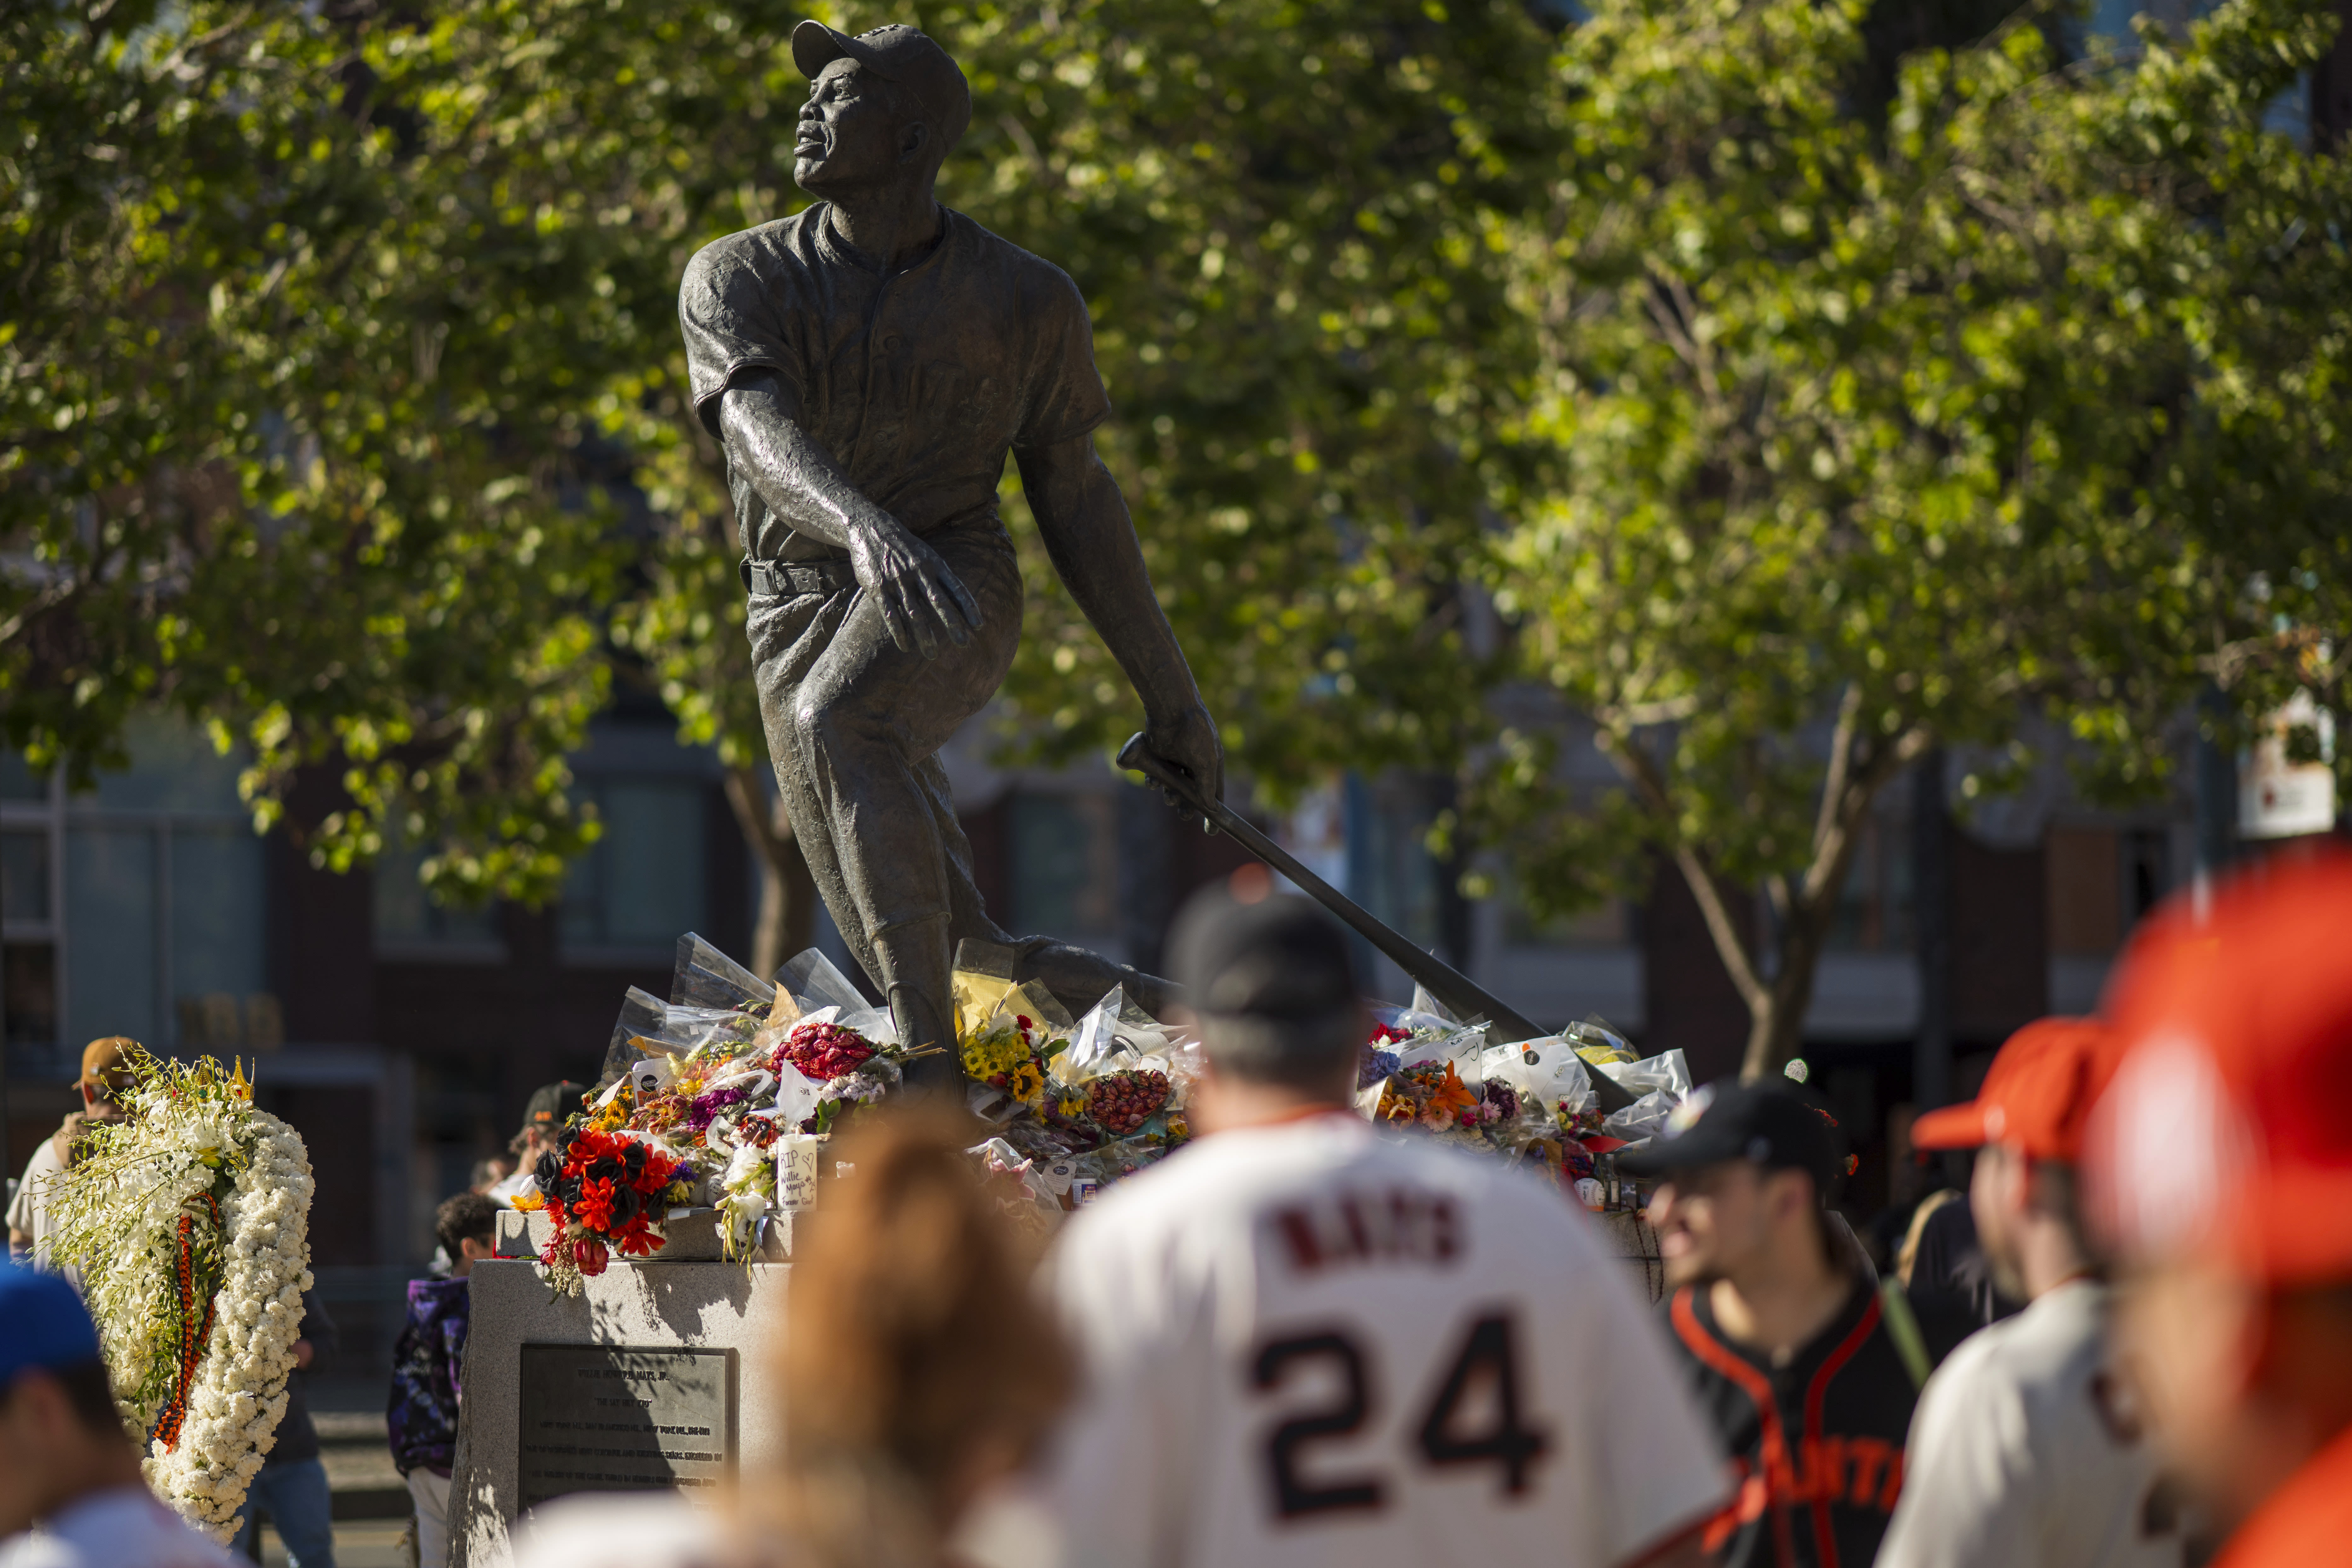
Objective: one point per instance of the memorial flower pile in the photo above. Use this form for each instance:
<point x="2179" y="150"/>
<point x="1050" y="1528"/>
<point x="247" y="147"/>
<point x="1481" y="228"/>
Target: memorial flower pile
<point x="709" y="1083"/>
<point x="188" y="1222"/>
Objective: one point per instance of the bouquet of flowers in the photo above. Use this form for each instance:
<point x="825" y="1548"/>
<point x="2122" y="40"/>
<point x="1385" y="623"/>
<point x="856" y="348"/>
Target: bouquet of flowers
<point x="1013" y="1051"/>
<point x="1430" y="1095"/>
<point x="1120" y="1103"/>
<point x="1380" y="1058"/>
<point x="600" y="1189"/>
<point x="188" y="1222"/>
<point x="1081" y="1103"/>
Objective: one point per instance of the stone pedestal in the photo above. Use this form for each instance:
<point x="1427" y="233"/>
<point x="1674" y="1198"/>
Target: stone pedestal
<point x="722" y="1416"/>
<point x="695" y="1236"/>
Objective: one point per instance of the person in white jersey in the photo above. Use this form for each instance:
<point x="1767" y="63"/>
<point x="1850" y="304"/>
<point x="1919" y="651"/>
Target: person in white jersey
<point x="2026" y="1451"/>
<point x="1302" y="1341"/>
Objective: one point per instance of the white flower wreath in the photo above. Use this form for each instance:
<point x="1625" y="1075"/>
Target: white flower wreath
<point x="193" y="1146"/>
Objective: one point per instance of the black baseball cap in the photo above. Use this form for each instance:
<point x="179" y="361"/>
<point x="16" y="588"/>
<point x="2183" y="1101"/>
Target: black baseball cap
<point x="1768" y="1124"/>
<point x="550" y="1103"/>
<point x="1279" y="958"/>
<point x="898" y="54"/>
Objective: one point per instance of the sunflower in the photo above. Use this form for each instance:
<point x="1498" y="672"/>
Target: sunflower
<point x="1026" y="1084"/>
<point x="999" y="1049"/>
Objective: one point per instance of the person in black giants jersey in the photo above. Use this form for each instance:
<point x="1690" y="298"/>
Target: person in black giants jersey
<point x="1778" y="1328"/>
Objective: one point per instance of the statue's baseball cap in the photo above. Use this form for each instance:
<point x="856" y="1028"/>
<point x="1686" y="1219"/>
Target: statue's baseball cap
<point x="2225" y="1135"/>
<point x="2036" y="1095"/>
<point x="42" y="1323"/>
<point x="897" y="54"/>
<point x="1766" y="1124"/>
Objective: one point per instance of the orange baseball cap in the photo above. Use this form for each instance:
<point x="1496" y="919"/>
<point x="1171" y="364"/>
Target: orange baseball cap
<point x="106" y="1063"/>
<point x="2035" y="1098"/>
<point x="2226" y="1128"/>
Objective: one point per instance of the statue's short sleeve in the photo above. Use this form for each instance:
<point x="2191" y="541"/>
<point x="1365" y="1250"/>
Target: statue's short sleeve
<point x="1064" y="397"/>
<point x="733" y="319"/>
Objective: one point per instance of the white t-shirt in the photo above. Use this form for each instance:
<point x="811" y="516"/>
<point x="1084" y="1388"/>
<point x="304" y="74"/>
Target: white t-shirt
<point x="29" y="1212"/>
<point x="1318" y="1343"/>
<point x="121" y="1527"/>
<point x="2022" y="1454"/>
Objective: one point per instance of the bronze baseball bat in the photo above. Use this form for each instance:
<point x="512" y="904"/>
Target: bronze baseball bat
<point x="1465" y="997"/>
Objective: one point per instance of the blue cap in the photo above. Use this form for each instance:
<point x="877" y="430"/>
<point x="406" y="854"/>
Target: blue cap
<point x="42" y="1323"/>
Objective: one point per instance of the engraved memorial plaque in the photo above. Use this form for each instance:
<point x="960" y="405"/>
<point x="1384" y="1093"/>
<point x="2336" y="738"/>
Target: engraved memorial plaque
<point x="601" y="1418"/>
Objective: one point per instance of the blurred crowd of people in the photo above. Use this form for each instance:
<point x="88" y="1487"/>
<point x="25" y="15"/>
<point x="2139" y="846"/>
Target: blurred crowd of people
<point x="1304" y="1340"/>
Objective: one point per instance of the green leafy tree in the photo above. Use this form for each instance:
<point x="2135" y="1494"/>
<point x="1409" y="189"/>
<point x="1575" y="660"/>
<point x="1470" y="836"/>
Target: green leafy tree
<point x="258" y="463"/>
<point x="1854" y="438"/>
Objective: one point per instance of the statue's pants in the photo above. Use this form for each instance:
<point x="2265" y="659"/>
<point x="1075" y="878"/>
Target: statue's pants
<point x="855" y="725"/>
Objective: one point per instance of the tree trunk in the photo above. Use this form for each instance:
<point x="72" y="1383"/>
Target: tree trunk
<point x="1776" y="1030"/>
<point x="787" y="893"/>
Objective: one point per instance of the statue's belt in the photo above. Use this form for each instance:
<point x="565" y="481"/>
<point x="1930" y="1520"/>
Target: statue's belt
<point x="782" y="579"/>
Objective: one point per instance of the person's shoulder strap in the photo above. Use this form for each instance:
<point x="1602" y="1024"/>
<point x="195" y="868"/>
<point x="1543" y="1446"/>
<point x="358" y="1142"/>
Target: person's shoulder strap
<point x="1894" y="1309"/>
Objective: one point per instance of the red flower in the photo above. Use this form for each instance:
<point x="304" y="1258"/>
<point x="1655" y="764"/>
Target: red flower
<point x="594" y="1208"/>
<point x="591" y="1255"/>
<point x="659" y="1171"/>
<point x="637" y="1238"/>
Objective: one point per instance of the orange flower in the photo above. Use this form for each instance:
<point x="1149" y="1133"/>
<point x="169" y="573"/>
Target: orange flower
<point x="1452" y="1099"/>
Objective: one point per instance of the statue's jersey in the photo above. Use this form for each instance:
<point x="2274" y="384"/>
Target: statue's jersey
<point x="1318" y="1343"/>
<point x="917" y="383"/>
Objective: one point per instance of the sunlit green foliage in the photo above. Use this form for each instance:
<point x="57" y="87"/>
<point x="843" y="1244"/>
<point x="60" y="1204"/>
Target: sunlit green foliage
<point x="1858" y="439"/>
<point x="261" y="454"/>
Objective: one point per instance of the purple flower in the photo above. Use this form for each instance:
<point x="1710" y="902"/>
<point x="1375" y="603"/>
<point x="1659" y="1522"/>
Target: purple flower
<point x="709" y="1104"/>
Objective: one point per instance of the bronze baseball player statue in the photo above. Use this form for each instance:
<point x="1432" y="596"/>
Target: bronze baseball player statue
<point x="867" y="363"/>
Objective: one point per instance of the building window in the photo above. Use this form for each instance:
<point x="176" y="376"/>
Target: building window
<point x="1875" y="910"/>
<point x="138" y="908"/>
<point x="1065" y="863"/>
<point x="2101" y="881"/>
<point x="2146" y="854"/>
<point x="28" y="936"/>
<point x="409" y="923"/>
<point x="646" y="883"/>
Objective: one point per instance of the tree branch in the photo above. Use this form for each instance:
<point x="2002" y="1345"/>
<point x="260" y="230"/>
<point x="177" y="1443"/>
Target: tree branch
<point x="1631" y="761"/>
<point x="1841" y="762"/>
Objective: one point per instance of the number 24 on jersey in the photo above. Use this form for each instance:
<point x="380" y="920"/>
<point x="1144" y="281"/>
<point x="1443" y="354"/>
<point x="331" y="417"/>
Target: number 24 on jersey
<point x="1453" y="1431"/>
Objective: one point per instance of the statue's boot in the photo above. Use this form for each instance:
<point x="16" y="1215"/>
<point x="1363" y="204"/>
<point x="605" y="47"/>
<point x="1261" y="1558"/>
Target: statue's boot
<point x="917" y="980"/>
